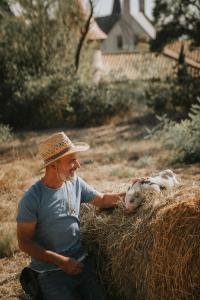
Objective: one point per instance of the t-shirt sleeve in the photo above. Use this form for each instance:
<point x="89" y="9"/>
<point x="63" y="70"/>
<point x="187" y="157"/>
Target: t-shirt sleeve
<point x="27" y="208"/>
<point x="88" y="193"/>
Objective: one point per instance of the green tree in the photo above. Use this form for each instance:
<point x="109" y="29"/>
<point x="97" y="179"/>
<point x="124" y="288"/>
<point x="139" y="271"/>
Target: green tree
<point x="4" y="8"/>
<point x="37" y="52"/>
<point x="174" y="19"/>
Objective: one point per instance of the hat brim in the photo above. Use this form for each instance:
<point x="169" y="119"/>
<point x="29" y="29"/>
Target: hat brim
<point x="78" y="147"/>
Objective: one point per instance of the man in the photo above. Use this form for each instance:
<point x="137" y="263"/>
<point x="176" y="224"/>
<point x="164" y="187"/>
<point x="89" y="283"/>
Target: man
<point x="48" y="227"/>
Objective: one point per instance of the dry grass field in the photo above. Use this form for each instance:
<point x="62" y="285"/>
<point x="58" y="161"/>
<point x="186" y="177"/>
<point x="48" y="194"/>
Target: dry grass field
<point x="118" y="153"/>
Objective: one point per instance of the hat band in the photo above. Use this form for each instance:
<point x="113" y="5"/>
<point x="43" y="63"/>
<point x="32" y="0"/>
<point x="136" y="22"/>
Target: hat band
<point x="57" y="155"/>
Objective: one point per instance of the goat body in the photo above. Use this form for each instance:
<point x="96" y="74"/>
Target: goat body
<point x="164" y="180"/>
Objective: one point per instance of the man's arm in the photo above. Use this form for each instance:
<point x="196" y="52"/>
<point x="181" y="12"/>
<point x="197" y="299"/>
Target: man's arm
<point x="107" y="200"/>
<point x="25" y="233"/>
<point x="110" y="199"/>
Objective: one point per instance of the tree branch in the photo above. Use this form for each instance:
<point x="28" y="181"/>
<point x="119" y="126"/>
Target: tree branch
<point x="83" y="36"/>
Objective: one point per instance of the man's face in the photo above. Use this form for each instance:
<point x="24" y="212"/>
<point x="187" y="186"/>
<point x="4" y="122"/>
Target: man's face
<point x="67" y="166"/>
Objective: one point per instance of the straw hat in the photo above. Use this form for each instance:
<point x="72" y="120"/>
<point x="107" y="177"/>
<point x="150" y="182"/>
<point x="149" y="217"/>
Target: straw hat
<point x="57" y="146"/>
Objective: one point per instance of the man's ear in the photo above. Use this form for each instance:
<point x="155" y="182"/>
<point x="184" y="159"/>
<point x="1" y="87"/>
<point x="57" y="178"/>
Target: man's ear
<point x="53" y="165"/>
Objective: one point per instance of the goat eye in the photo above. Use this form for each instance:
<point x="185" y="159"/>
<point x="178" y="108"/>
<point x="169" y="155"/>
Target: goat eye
<point x="129" y="188"/>
<point x="162" y="187"/>
<point x="145" y="181"/>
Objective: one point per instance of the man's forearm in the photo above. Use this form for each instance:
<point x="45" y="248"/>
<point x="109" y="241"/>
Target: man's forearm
<point x="107" y="200"/>
<point x="37" y="252"/>
<point x="110" y="200"/>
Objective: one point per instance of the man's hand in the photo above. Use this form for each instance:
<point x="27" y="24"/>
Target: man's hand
<point x="71" y="266"/>
<point x="107" y="200"/>
<point x="25" y="233"/>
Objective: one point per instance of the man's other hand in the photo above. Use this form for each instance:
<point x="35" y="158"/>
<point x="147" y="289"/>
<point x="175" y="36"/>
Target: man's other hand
<point x="71" y="266"/>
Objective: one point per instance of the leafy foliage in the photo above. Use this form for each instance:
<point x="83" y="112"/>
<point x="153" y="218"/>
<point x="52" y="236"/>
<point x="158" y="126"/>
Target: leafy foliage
<point x="5" y="133"/>
<point x="174" y="19"/>
<point x="184" y="138"/>
<point x="173" y="97"/>
<point x="177" y="98"/>
<point x="39" y="87"/>
<point x="36" y="58"/>
<point x="93" y="105"/>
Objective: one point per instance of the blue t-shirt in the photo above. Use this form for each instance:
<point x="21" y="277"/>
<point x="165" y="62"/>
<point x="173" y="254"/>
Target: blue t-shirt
<point x="56" y="212"/>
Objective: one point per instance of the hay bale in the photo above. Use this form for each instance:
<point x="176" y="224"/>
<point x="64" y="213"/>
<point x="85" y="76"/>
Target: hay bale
<point x="153" y="253"/>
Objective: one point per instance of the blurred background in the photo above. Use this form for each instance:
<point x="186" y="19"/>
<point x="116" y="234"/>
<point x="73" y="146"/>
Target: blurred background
<point x="122" y="75"/>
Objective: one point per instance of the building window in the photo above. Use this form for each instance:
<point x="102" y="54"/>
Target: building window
<point x="119" y="42"/>
<point x="135" y="39"/>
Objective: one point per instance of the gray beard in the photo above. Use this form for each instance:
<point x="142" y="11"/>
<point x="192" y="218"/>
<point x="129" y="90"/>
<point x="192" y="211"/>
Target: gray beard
<point x="72" y="177"/>
<point x="66" y="178"/>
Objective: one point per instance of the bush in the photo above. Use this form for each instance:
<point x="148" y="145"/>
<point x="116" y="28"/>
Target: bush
<point x="93" y="105"/>
<point x="41" y="104"/>
<point x="36" y="56"/>
<point x="38" y="84"/>
<point x="173" y="97"/>
<point x="55" y="101"/>
<point x="184" y="138"/>
<point x="5" y="133"/>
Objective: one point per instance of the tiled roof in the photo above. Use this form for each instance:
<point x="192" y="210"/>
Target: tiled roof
<point x="136" y="66"/>
<point x="192" y="54"/>
<point x="139" y="66"/>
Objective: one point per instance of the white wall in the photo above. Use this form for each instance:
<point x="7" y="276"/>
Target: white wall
<point x="104" y="7"/>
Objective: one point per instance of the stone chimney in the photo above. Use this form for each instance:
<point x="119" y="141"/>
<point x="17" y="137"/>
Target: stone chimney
<point x="142" y="6"/>
<point x="126" y="10"/>
<point x="116" y="8"/>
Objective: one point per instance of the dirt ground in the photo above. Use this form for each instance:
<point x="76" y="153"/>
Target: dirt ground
<point x="118" y="153"/>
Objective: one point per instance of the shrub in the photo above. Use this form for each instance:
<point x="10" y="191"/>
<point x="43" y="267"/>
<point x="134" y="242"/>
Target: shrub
<point x="5" y="133"/>
<point x="184" y="138"/>
<point x="56" y="100"/>
<point x="144" y="161"/>
<point x="38" y="84"/>
<point x="94" y="105"/>
<point x="36" y="56"/>
<point x="173" y="97"/>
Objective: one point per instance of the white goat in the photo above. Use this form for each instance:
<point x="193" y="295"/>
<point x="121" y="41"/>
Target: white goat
<point x="164" y="180"/>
